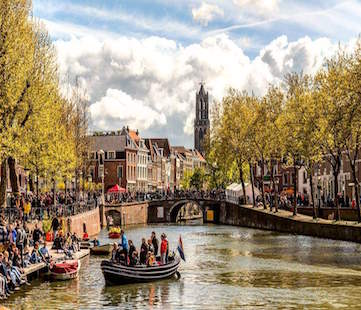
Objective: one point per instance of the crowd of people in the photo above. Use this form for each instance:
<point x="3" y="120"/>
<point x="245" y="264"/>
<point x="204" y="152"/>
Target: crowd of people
<point x="21" y="247"/>
<point x="151" y="252"/>
<point x="116" y="198"/>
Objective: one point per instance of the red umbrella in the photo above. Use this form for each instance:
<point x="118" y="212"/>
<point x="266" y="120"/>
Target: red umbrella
<point x="116" y="189"/>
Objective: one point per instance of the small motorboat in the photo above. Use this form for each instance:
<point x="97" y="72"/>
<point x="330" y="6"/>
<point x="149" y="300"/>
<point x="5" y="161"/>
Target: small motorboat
<point x="114" y="235"/>
<point x="65" y="270"/>
<point x="104" y="249"/>
<point x="118" y="273"/>
<point x="85" y="244"/>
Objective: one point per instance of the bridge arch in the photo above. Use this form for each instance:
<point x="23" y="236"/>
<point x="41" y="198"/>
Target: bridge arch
<point x="174" y="209"/>
<point x="116" y="215"/>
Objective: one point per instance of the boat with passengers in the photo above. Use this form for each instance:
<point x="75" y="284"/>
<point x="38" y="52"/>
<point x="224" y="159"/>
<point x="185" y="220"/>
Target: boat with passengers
<point x="120" y="273"/>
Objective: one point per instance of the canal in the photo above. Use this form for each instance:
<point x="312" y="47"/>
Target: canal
<point x="227" y="268"/>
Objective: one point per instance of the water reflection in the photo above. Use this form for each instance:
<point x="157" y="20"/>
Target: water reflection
<point x="227" y="268"/>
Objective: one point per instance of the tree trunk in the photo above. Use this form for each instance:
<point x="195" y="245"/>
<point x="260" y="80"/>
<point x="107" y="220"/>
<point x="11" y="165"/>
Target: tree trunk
<point x="295" y="190"/>
<point x="314" y="212"/>
<point x="262" y="185"/>
<point x="3" y="184"/>
<point x="242" y="182"/>
<point x="252" y="184"/>
<point x="13" y="176"/>
<point x="31" y="184"/>
<point x="272" y="187"/>
<point x="355" y="182"/>
<point x="54" y="192"/>
<point x="335" y="187"/>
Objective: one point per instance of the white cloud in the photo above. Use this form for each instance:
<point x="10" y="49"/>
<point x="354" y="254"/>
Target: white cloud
<point x="117" y="106"/>
<point x="262" y="7"/>
<point x="150" y="83"/>
<point x="206" y="12"/>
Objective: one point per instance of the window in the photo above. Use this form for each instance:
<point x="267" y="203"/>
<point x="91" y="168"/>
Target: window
<point x="92" y="172"/>
<point x="285" y="179"/>
<point x="111" y="155"/>
<point x="120" y="172"/>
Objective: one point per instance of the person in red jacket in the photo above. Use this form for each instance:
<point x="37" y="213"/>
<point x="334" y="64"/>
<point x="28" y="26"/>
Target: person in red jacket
<point x="163" y="249"/>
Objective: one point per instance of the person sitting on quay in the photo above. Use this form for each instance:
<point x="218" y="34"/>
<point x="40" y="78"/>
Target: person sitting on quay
<point x="13" y="272"/>
<point x="7" y="286"/>
<point x="75" y="242"/>
<point x="58" y="244"/>
<point x="143" y="252"/>
<point x="37" y="234"/>
<point x="45" y="252"/>
<point x="35" y="255"/>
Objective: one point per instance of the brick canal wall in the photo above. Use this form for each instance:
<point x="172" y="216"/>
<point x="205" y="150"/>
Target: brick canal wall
<point x="126" y="214"/>
<point x="91" y="219"/>
<point x="231" y="214"/>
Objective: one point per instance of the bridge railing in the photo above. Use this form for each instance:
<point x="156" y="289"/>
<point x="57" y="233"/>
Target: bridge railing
<point x="148" y="197"/>
<point x="11" y="214"/>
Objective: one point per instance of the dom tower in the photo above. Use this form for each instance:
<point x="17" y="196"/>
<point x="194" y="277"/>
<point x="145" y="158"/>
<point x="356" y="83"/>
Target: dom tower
<point x="201" y="122"/>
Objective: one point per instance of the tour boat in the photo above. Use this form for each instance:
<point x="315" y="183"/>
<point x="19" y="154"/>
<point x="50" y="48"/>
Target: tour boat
<point x="115" y="273"/>
<point x="114" y="235"/>
<point x="65" y="270"/>
<point x="104" y="249"/>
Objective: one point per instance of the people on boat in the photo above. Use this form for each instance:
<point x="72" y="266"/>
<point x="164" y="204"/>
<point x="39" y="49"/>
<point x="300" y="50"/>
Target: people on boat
<point x="131" y="248"/>
<point x="134" y="258"/>
<point x="150" y="245"/>
<point x="96" y="242"/>
<point x="115" y="253"/>
<point x="125" y="245"/>
<point x="150" y="259"/>
<point x="85" y="236"/>
<point x="163" y="249"/>
<point x="155" y="243"/>
<point x="143" y="252"/>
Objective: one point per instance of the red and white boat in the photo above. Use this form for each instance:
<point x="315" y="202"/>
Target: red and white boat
<point x="65" y="270"/>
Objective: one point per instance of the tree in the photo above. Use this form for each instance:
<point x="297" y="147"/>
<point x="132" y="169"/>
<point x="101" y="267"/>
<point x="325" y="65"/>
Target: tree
<point x="17" y="68"/>
<point x="332" y="94"/>
<point x="197" y="179"/>
<point x="299" y="124"/>
<point x="353" y="126"/>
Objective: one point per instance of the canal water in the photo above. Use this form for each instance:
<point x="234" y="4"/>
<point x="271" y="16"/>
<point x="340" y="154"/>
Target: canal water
<point x="227" y="268"/>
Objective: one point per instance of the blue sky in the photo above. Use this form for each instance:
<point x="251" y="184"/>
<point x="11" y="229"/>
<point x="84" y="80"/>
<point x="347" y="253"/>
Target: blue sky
<point x="141" y="61"/>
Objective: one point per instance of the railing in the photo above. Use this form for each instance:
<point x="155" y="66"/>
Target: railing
<point x="141" y="197"/>
<point x="11" y="214"/>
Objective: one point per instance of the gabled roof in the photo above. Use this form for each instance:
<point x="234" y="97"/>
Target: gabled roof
<point x="107" y="143"/>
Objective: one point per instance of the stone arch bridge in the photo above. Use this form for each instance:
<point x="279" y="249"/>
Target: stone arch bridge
<point x="158" y="211"/>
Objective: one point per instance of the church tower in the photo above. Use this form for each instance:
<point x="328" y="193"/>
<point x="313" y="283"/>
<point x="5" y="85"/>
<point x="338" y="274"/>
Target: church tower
<point x="201" y="122"/>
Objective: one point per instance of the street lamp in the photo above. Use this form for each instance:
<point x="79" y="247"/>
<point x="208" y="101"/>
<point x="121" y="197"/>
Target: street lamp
<point x="101" y="171"/>
<point x="26" y="180"/>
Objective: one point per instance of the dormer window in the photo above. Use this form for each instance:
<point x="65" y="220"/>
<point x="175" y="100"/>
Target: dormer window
<point x="111" y="154"/>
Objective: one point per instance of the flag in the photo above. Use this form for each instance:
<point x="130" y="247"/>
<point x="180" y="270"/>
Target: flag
<point x="180" y="248"/>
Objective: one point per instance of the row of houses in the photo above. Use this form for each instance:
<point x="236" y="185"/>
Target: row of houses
<point x="140" y="164"/>
<point x="322" y="179"/>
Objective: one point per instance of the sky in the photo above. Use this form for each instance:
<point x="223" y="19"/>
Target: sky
<point x="142" y="61"/>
